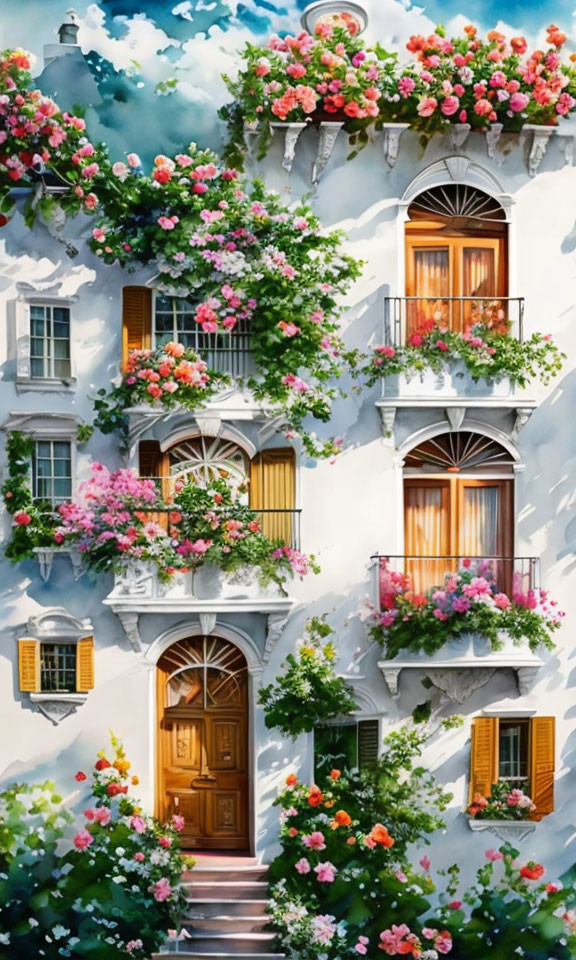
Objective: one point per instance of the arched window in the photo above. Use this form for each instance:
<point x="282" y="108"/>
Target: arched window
<point x="458" y="504"/>
<point x="456" y="260"/>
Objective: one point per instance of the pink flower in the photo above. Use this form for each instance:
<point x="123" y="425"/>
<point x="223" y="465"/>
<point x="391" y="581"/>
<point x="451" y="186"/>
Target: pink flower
<point x="427" y="106"/>
<point x="518" y="102"/>
<point x="168" y="223"/>
<point x="502" y="601"/>
<point x="493" y="855"/>
<point x="314" y="841"/>
<point x="83" y="839"/>
<point x="22" y="518"/>
<point x="99" y="234"/>
<point x="455" y="904"/>
<point x="139" y="857"/>
<point x="295" y="383"/>
<point x="165" y="842"/>
<point x="178" y="822"/>
<point x="325" y="872"/>
<point x="133" y="160"/>
<point x="138" y="824"/>
<point x="120" y="170"/>
<point x="102" y="816"/>
<point x="449" y="106"/>
<point x="425" y="863"/>
<point x="296" y="70"/>
<point x="161" y="889"/>
<point x="302" y="866"/>
<point x="90" y="171"/>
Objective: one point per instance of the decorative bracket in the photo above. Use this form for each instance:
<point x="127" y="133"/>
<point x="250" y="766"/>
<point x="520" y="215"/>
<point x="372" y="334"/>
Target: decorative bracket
<point x="329" y="130"/>
<point x="45" y="557"/>
<point x="208" y="424"/>
<point x="493" y="134"/>
<point x="540" y="137"/>
<point x="505" y="830"/>
<point x="207" y="623"/>
<point x="459" y="133"/>
<point x="129" y="623"/>
<point x="523" y="415"/>
<point x="388" y="416"/>
<point x="391" y="676"/>
<point x="455" y="417"/>
<point x="457" y="167"/>
<point x="56" y="707"/>
<point x="276" y="624"/>
<point x="391" y="141"/>
<point x="292" y="132"/>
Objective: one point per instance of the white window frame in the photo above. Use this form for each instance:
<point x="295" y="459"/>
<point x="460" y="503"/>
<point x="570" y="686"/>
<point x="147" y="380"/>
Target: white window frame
<point x="52" y="440"/>
<point x="24" y="379"/>
<point x="48" y="426"/>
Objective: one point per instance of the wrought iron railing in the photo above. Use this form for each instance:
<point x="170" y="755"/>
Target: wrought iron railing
<point x="512" y="575"/>
<point x="404" y="316"/>
<point x="225" y="352"/>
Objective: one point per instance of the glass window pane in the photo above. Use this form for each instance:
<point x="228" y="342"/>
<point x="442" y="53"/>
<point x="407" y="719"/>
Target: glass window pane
<point x="61" y="349"/>
<point x="61" y="315"/>
<point x="62" y="489"/>
<point x="37" y="367"/>
<point x="43" y="448"/>
<point x="61" y="450"/>
<point x="335" y="745"/>
<point x="61" y="331"/>
<point x="61" y="468"/>
<point x="37" y="327"/>
<point x="61" y="368"/>
<point x="44" y="468"/>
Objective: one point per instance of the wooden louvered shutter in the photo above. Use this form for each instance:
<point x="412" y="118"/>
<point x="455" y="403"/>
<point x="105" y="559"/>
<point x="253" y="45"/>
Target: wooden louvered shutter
<point x="152" y="462"/>
<point x="29" y="665"/>
<point x="85" y="665"/>
<point x="273" y="487"/>
<point x="368" y="743"/>
<point x="484" y="756"/>
<point x="136" y="320"/>
<point x="542" y="756"/>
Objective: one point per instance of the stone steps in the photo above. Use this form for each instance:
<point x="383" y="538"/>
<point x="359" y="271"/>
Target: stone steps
<point x="227" y="889"/>
<point x="234" y="908"/>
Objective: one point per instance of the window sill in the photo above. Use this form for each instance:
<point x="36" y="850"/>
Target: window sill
<point x="57" y="706"/>
<point x="45" y="385"/>
<point x="505" y="830"/>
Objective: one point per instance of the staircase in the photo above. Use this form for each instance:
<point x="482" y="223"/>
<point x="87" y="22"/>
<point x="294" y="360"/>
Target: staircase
<point x="226" y="917"/>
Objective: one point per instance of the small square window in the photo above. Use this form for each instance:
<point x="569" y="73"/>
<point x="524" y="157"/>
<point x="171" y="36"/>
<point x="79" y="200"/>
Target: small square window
<point x="52" y="471"/>
<point x="513" y="751"/>
<point x="49" y="342"/>
<point x="58" y="667"/>
<point x="346" y="745"/>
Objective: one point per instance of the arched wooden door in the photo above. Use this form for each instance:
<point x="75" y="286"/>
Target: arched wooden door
<point x="203" y="741"/>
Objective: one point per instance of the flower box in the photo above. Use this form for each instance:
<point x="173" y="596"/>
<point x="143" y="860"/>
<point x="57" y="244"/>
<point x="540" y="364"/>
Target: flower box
<point x="455" y="381"/>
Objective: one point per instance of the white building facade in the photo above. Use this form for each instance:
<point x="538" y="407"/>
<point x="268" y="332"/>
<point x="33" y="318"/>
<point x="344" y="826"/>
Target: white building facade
<point x="437" y="467"/>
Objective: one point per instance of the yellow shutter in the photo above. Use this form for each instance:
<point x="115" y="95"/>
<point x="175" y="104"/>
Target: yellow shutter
<point x="484" y="756"/>
<point x="85" y="665"/>
<point x="29" y="665"/>
<point x="273" y="487"/>
<point x="542" y="755"/>
<point x="136" y="320"/>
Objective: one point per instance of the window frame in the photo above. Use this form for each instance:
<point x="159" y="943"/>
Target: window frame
<point x="349" y="722"/>
<point x="59" y="642"/>
<point x="25" y="380"/>
<point x="52" y="439"/>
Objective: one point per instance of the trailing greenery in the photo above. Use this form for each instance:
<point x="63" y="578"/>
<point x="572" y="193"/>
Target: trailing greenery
<point x="32" y="520"/>
<point x="110" y="885"/>
<point x="309" y="691"/>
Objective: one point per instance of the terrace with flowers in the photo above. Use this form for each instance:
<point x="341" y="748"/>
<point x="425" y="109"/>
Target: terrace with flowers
<point x="461" y="624"/>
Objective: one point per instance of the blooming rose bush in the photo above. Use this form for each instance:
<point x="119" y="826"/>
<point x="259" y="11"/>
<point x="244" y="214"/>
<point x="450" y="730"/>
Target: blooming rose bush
<point x="504" y="803"/>
<point x="487" y="351"/>
<point x="111" y="884"/>
<point x="328" y="75"/>
<point x="39" y="142"/>
<point x="309" y="691"/>
<point x="469" y="601"/>
<point x="171" y="375"/>
<point x="117" y="518"/>
<point x="464" y="79"/>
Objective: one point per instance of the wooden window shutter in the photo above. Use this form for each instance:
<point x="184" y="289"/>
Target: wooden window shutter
<point x="368" y="743"/>
<point x="29" y="665"/>
<point x="136" y="320"/>
<point x="542" y="755"/>
<point x="85" y="665"/>
<point x="273" y="487"/>
<point x="484" y="756"/>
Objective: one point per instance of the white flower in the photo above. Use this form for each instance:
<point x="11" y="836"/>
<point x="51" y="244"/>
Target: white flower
<point x="59" y="931"/>
<point x="5" y="938"/>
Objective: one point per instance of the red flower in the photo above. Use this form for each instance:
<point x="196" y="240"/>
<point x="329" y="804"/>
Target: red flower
<point x="101" y="764"/>
<point x="113" y="789"/>
<point x="80" y="776"/>
<point x="532" y="871"/>
<point x="22" y="518"/>
<point x="315" y="797"/>
<point x="455" y="904"/>
<point x="291" y="780"/>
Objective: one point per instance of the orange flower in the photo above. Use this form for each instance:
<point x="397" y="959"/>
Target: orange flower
<point x="342" y="818"/>
<point x="329" y="803"/>
<point x="122" y="766"/>
<point x="555" y="36"/>
<point x="470" y="30"/>
<point x="351" y="841"/>
<point x="291" y="780"/>
<point x="335" y="774"/>
<point x="135" y="781"/>
<point x="379" y="834"/>
<point x="315" y="797"/>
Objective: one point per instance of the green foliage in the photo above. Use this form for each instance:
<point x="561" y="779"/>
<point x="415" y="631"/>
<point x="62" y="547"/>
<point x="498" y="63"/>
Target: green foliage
<point x="33" y="521"/>
<point x="309" y="691"/>
<point x="112" y="887"/>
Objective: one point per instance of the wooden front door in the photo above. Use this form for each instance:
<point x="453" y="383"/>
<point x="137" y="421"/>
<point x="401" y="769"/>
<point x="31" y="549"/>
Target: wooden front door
<point x="203" y="742"/>
<point x="456" y="281"/>
<point x="457" y="518"/>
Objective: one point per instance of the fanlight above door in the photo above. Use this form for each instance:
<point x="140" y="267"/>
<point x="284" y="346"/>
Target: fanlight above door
<point x="203" y="459"/>
<point x="459" y="452"/>
<point x="204" y="673"/>
<point x="456" y="203"/>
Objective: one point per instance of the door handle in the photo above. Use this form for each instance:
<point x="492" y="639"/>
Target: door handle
<point x="204" y="780"/>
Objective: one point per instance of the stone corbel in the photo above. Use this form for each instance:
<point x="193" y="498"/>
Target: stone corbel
<point x="523" y="415"/>
<point x="129" y="623"/>
<point x="45" y="560"/>
<point x="275" y="627"/>
<point x="207" y="623"/>
<point x="493" y="134"/>
<point x="505" y="830"/>
<point x="209" y="425"/>
<point x="526" y="677"/>
<point x="458" y="134"/>
<point x="292" y="132"/>
<point x="391" y="676"/>
<point x="56" y="707"/>
<point x="329" y="130"/>
<point x="538" y="146"/>
<point x="455" y="417"/>
<point x="391" y="142"/>
<point x="388" y="416"/>
<point x="457" y="167"/>
<point x="567" y="148"/>
<point x="458" y="685"/>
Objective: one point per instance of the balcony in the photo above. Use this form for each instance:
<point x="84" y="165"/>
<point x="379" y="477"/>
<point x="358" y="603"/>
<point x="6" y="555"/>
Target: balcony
<point x="451" y="388"/>
<point x="467" y="662"/>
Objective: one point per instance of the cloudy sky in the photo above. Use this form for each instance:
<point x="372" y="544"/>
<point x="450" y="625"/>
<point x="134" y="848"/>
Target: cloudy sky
<point x="133" y="49"/>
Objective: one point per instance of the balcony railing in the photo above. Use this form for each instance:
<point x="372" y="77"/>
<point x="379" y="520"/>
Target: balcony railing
<point x="225" y="352"/>
<point x="512" y="575"/>
<point x="406" y="315"/>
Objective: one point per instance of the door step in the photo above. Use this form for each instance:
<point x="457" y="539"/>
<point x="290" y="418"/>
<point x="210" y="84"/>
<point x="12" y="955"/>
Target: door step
<point x="227" y="889"/>
<point x="226" y="923"/>
<point x="206" y="908"/>
<point x="204" y="872"/>
<point x="190" y="955"/>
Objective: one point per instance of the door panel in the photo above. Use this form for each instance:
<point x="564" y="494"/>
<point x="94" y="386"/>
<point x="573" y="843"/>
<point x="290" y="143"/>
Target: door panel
<point x="426" y="530"/>
<point x="202" y="742"/>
